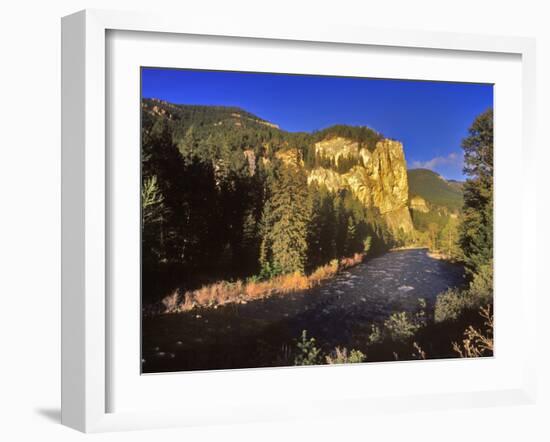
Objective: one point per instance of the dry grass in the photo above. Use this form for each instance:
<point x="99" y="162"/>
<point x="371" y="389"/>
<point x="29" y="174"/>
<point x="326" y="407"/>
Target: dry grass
<point x="418" y="353"/>
<point x="476" y="342"/>
<point x="342" y="356"/>
<point x="224" y="292"/>
<point x="346" y="263"/>
<point x="324" y="272"/>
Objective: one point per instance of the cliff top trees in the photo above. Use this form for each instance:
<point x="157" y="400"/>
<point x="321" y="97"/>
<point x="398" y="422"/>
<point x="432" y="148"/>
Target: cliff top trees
<point x="365" y="136"/>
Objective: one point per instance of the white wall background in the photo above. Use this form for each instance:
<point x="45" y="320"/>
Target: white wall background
<point x="30" y="215"/>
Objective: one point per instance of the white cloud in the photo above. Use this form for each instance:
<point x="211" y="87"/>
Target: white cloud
<point x="452" y="160"/>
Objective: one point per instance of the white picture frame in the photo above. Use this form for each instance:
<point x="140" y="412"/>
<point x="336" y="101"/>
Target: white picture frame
<point x="86" y="316"/>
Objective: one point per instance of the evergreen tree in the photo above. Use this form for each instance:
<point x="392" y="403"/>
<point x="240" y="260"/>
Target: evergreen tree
<point x="449" y="238"/>
<point x="351" y="237"/>
<point x="341" y="225"/>
<point x="328" y="229"/>
<point x="285" y="221"/>
<point x="476" y="232"/>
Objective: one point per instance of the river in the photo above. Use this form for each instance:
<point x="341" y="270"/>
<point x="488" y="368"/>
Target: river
<point x="261" y="333"/>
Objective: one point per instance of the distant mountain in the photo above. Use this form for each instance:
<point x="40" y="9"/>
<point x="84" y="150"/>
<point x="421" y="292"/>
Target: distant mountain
<point x="458" y="185"/>
<point x="433" y="188"/>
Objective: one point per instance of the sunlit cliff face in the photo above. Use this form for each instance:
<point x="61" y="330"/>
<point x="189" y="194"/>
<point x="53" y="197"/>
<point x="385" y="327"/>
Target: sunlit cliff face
<point x="380" y="179"/>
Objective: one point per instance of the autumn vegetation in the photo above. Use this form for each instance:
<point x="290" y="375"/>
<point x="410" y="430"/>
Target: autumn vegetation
<point x="224" y="292"/>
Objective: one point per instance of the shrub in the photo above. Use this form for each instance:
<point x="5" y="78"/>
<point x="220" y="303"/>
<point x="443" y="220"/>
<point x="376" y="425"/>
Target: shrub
<point x="269" y="271"/>
<point x="376" y="336"/>
<point x="171" y="301"/>
<point x="216" y="294"/>
<point x="476" y="342"/>
<point x="400" y="327"/>
<point x="253" y="279"/>
<point x="367" y="244"/>
<point x="451" y="304"/>
<point x="482" y="284"/>
<point x="420" y="317"/>
<point x="346" y="263"/>
<point x="418" y="353"/>
<point x="307" y="352"/>
<point x="341" y="356"/>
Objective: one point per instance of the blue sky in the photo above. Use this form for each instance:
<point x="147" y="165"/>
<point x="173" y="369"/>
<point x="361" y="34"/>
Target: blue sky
<point x="429" y="118"/>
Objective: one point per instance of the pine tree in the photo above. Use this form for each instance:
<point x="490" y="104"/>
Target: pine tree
<point x="341" y="225"/>
<point x="314" y="240"/>
<point x="285" y="221"/>
<point x="476" y="232"/>
<point x="151" y="201"/>
<point x="351" y="237"/>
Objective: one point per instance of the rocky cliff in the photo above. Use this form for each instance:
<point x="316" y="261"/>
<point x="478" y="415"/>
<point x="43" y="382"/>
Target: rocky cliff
<point x="379" y="179"/>
<point x="419" y="204"/>
<point x="353" y="157"/>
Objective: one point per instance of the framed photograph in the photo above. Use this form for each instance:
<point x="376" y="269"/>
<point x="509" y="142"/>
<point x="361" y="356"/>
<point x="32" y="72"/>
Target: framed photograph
<point x="263" y="223"/>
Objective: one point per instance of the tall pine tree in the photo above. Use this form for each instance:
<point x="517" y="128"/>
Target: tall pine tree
<point x="476" y="232"/>
<point x="285" y="221"/>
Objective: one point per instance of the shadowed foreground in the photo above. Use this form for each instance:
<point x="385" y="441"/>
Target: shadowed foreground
<point x="263" y="333"/>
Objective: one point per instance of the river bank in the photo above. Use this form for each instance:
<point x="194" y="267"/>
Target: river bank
<point x="241" y="292"/>
<point x="339" y="312"/>
<point x="441" y="256"/>
<point x="402" y="248"/>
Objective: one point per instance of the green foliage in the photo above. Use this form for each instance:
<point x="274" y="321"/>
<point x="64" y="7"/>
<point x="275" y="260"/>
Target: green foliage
<point x="476" y="232"/>
<point x="422" y="220"/>
<point x="421" y="317"/>
<point x="339" y="226"/>
<point x="269" y="271"/>
<point x="285" y="221"/>
<point x="367" y="243"/>
<point x="219" y="203"/>
<point x="400" y="326"/>
<point x="482" y="283"/>
<point x="453" y="303"/>
<point x="449" y="239"/>
<point x="366" y="136"/>
<point x="376" y="335"/>
<point x="306" y="351"/>
<point x="341" y="356"/>
<point x="434" y="189"/>
<point x="153" y="213"/>
<point x="151" y="201"/>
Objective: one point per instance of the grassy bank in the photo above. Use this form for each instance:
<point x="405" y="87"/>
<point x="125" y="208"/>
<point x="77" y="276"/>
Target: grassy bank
<point x="227" y="292"/>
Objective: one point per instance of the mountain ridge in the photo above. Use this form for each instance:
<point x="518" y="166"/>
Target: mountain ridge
<point x="435" y="189"/>
<point x="358" y="158"/>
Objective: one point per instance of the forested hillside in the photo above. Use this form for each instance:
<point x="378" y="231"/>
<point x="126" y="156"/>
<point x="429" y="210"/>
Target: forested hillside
<point x="436" y="206"/>
<point x="225" y="195"/>
<point x="435" y="189"/>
